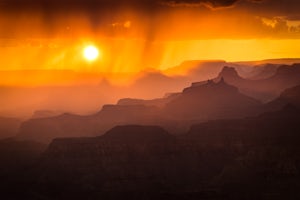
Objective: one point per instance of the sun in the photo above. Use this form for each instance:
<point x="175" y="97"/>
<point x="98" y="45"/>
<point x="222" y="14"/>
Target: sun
<point x="90" y="53"/>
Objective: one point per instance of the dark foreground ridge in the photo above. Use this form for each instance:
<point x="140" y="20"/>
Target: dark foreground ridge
<point x="251" y="158"/>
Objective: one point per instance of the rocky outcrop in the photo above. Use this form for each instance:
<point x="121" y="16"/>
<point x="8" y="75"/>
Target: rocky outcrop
<point x="221" y="98"/>
<point x="262" y="71"/>
<point x="212" y="101"/>
<point x="212" y="158"/>
<point x="45" y="114"/>
<point x="135" y="159"/>
<point x="175" y="113"/>
<point x="66" y="125"/>
<point x="290" y="96"/>
<point x="70" y="125"/>
<point x="278" y="126"/>
<point x="267" y="152"/>
<point x="160" y="102"/>
<point x="265" y="89"/>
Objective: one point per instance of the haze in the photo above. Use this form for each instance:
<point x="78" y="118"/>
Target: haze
<point x="137" y="35"/>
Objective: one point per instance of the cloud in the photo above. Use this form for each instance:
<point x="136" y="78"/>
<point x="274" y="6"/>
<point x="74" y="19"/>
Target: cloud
<point x="294" y="17"/>
<point x="256" y="1"/>
<point x="286" y="6"/>
<point x="150" y="18"/>
<point x="195" y="3"/>
<point x="212" y="4"/>
<point x="281" y="25"/>
<point x="103" y="4"/>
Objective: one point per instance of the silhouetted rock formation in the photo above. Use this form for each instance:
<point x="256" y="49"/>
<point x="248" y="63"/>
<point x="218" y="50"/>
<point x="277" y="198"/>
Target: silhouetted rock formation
<point x="208" y="101"/>
<point x="228" y="73"/>
<point x="292" y="95"/>
<point x="125" y="114"/>
<point x="211" y="101"/>
<point x="70" y="125"/>
<point x="266" y="147"/>
<point x="289" y="96"/>
<point x="129" y="101"/>
<point x="263" y="71"/>
<point x="65" y="125"/>
<point x="132" y="160"/>
<point x="265" y="128"/>
<point x="118" y="139"/>
<point x="160" y="102"/>
<point x="127" y="158"/>
<point x="222" y="158"/>
<point x="279" y="61"/>
<point x="263" y="89"/>
<point x="136" y="134"/>
<point x="45" y="113"/>
<point x="214" y="99"/>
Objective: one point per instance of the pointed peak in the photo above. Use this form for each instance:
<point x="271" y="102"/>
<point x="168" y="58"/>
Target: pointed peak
<point x="227" y="68"/>
<point x="211" y="85"/>
<point x="223" y="83"/>
<point x="228" y="71"/>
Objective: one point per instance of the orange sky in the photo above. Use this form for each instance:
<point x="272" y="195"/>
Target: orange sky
<point x="133" y="35"/>
<point x="115" y="53"/>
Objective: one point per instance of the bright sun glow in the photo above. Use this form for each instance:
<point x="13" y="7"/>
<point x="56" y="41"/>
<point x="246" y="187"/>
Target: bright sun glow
<point x="90" y="53"/>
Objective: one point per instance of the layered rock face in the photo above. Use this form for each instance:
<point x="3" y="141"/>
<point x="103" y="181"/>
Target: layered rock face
<point x="212" y="100"/>
<point x="264" y="89"/>
<point x="134" y="159"/>
<point x="211" y="161"/>
<point x="225" y="97"/>
<point x="208" y="101"/>
<point x="289" y="96"/>
<point x="160" y="102"/>
<point x="70" y="125"/>
<point x="229" y="156"/>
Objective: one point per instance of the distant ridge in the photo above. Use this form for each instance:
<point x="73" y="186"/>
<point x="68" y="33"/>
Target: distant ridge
<point x="284" y="61"/>
<point x="264" y="89"/>
<point x="228" y="96"/>
<point x="136" y="134"/>
<point x="290" y="96"/>
<point x="212" y="100"/>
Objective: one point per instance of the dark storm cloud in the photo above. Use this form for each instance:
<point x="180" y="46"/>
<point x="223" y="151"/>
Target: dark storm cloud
<point x="144" y="5"/>
<point x="66" y="5"/>
<point x="104" y="4"/>
<point x="147" y="17"/>
<point x="208" y="3"/>
<point x="273" y="7"/>
<point x="256" y="1"/>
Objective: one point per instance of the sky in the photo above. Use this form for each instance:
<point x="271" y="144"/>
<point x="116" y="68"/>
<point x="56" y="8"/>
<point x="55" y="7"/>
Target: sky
<point x="134" y="35"/>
